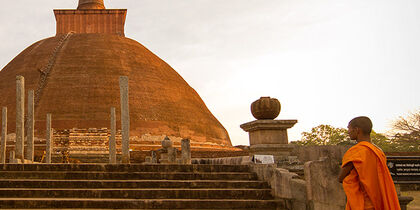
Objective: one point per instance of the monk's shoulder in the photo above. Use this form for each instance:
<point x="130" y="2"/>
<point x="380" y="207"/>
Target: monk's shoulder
<point x="353" y="154"/>
<point x="356" y="149"/>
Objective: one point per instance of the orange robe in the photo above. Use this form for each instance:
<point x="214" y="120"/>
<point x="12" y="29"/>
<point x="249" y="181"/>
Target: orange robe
<point x="370" y="177"/>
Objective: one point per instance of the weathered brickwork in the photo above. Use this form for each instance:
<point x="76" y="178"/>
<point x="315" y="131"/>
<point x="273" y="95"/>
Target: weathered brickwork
<point x="110" y="21"/>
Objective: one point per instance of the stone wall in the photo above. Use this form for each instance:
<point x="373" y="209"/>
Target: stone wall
<point x="311" y="153"/>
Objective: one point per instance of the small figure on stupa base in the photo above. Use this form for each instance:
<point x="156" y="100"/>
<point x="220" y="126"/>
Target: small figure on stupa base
<point x="167" y="152"/>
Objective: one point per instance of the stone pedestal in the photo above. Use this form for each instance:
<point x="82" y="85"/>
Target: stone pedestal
<point x="269" y="137"/>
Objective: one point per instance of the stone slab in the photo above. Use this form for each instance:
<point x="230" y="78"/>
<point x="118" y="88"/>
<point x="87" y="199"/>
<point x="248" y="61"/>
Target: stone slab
<point x="323" y="189"/>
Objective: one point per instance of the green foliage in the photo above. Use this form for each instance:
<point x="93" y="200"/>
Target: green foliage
<point x="329" y="135"/>
<point x="324" y="135"/>
<point x="383" y="142"/>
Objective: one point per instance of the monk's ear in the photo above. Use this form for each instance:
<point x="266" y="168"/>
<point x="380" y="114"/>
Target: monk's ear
<point x="360" y="131"/>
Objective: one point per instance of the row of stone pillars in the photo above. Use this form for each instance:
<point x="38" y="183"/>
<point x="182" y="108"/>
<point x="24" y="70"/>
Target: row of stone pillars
<point x="20" y="127"/>
<point x="20" y="157"/>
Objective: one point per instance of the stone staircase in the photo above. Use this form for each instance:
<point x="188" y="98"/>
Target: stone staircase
<point x="135" y="186"/>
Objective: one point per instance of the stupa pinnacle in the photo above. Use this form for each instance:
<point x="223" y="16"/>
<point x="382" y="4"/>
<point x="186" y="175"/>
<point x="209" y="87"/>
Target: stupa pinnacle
<point x="75" y="76"/>
<point x="91" y="4"/>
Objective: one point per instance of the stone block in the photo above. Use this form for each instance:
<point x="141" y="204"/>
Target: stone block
<point x="284" y="184"/>
<point x="300" y="199"/>
<point x="323" y="189"/>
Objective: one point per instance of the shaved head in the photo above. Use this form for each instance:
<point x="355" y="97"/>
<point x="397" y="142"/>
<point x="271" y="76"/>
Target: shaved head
<point x="362" y="122"/>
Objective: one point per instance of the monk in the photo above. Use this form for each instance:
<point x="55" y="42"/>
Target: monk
<point x="364" y="173"/>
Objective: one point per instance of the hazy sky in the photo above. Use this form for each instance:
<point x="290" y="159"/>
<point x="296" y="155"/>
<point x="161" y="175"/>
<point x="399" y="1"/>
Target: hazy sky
<point x="327" y="61"/>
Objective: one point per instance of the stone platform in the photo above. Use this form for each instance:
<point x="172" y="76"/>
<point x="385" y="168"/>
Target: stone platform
<point x="123" y="186"/>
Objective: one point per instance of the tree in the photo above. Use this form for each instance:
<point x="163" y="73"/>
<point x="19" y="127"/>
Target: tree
<point x="324" y="135"/>
<point x="329" y="135"/>
<point x="382" y="141"/>
<point x="406" y="132"/>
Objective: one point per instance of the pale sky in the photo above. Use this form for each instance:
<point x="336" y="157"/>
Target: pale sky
<point x="327" y="61"/>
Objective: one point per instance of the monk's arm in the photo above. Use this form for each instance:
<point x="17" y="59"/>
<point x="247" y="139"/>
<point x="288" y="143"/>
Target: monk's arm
<point x="345" y="171"/>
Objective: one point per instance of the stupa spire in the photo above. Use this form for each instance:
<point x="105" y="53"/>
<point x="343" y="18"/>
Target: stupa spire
<point x="91" y="4"/>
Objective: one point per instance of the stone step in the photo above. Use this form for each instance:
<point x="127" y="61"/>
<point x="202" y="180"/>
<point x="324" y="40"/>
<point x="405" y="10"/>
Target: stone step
<point x="84" y="203"/>
<point x="192" y="184"/>
<point x="128" y="209"/>
<point x="151" y="193"/>
<point x="127" y="175"/>
<point x="125" y="167"/>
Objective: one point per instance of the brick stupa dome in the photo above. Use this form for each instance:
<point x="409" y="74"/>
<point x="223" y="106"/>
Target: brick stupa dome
<point x="75" y="75"/>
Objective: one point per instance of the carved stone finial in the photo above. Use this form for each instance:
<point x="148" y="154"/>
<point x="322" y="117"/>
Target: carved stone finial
<point x="91" y="4"/>
<point x="265" y="108"/>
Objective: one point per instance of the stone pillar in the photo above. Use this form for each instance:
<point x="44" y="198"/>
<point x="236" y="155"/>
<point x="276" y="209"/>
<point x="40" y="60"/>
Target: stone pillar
<point x="112" y="141"/>
<point x="3" y="135"/>
<point x="49" y="142"/>
<point x="266" y="135"/>
<point x="125" y="119"/>
<point x="172" y="154"/>
<point x="186" y="151"/>
<point x="154" y="157"/>
<point x="30" y="128"/>
<point x="20" y="117"/>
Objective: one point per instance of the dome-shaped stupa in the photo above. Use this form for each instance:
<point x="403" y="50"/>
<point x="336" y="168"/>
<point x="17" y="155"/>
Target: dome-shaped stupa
<point x="75" y="76"/>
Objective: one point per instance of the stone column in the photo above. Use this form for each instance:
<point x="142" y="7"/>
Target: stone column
<point x="125" y="119"/>
<point x="186" y="151"/>
<point x="3" y="135"/>
<point x="112" y="141"/>
<point x="30" y="128"/>
<point x="20" y="117"/>
<point x="49" y="142"/>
